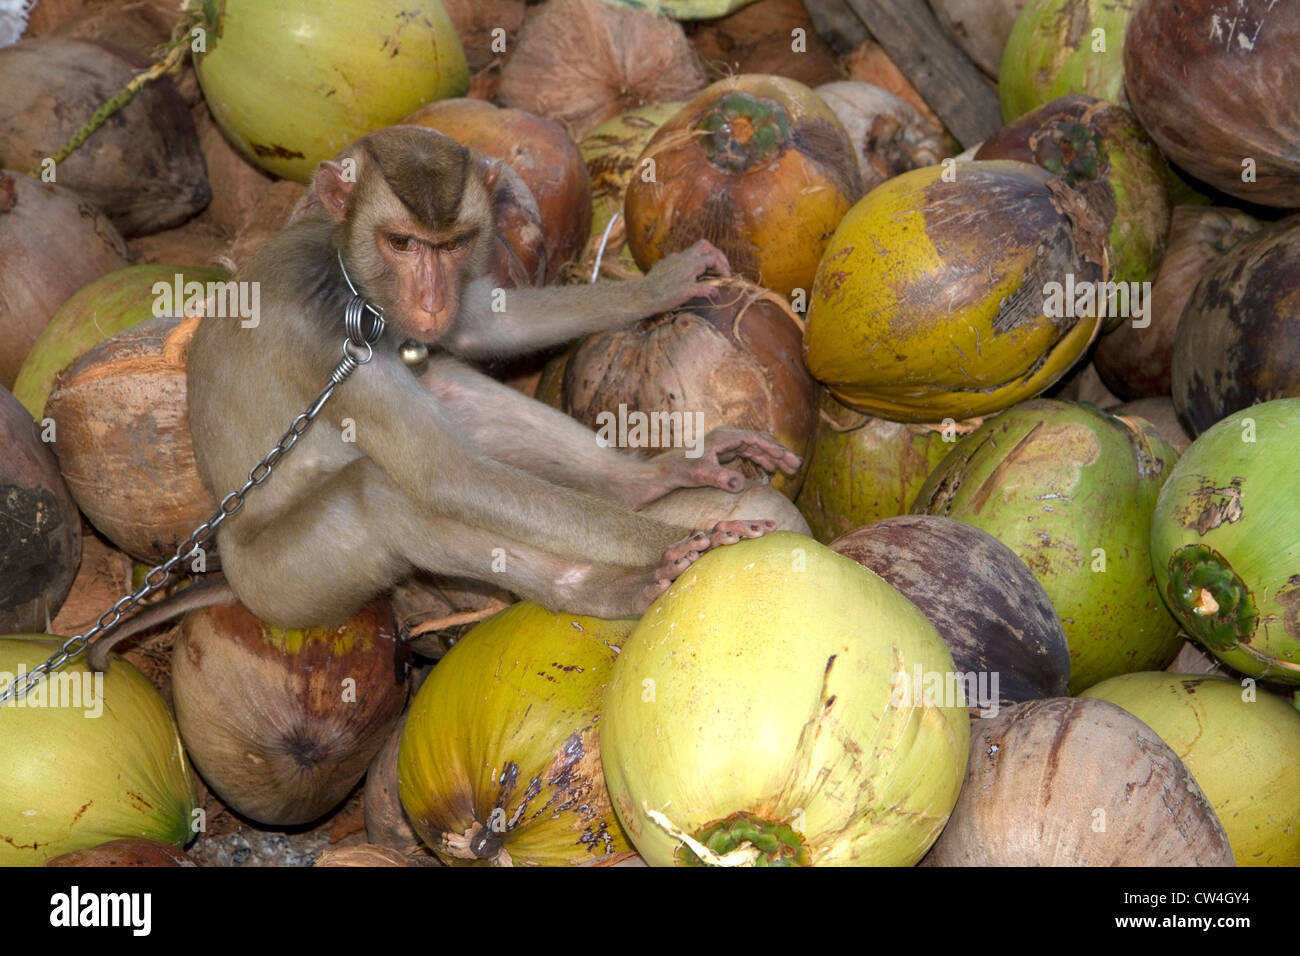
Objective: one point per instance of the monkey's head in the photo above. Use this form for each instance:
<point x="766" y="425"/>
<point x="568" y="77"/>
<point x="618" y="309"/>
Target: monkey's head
<point x="414" y="223"/>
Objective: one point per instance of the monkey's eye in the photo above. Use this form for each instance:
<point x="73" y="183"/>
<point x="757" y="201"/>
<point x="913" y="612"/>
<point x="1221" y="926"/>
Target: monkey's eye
<point x="459" y="242"/>
<point x="401" y="243"/>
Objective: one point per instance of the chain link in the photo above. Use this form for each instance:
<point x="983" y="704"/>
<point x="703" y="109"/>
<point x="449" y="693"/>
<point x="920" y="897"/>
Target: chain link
<point x="158" y="577"/>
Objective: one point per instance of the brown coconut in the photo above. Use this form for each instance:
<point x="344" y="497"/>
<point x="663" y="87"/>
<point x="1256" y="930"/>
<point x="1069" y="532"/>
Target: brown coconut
<point x="536" y="148"/>
<point x="1135" y="363"/>
<point x="123" y="439"/>
<point x="731" y="361"/>
<point x="581" y="62"/>
<point x="386" y="823"/>
<point x="869" y="63"/>
<point x="1063" y="782"/>
<point x="476" y="23"/>
<point x="135" y="26"/>
<point x="52" y="242"/>
<point x="283" y="723"/>
<point x="888" y="134"/>
<point x="199" y="242"/>
<point x="40" y="529"/>
<point x="762" y="38"/>
<point x="143" y="168"/>
<point x="131" y="851"/>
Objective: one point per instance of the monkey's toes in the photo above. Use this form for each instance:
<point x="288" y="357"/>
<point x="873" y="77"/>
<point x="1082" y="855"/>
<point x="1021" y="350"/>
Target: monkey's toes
<point x="729" y="532"/>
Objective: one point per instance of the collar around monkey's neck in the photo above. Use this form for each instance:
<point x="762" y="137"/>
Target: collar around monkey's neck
<point x="412" y="352"/>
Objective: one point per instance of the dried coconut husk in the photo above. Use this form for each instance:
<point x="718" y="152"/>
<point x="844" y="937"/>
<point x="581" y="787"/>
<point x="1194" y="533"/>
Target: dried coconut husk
<point x="368" y="854"/>
<point x="237" y="185"/>
<point x="581" y="62"/>
<point x="888" y="134"/>
<point x="199" y="242"/>
<point x="733" y="361"/>
<point x="760" y="39"/>
<point x="124" y="442"/>
<point x="386" y="823"/>
<point x="267" y="218"/>
<point x="475" y="21"/>
<point x="52" y="242"/>
<point x="137" y="26"/>
<point x="143" y="168"/>
<point x="871" y="64"/>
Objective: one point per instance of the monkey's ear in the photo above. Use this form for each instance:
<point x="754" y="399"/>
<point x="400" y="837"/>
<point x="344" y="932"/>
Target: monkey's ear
<point x="332" y="189"/>
<point x="492" y="174"/>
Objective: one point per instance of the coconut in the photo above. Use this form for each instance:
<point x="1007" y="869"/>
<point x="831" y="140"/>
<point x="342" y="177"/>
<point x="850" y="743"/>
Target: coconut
<point x="137" y="26"/>
<point x="319" y="106"/>
<point x="758" y="165"/>
<point x="582" y="62"/>
<point x="540" y="151"/>
<point x="611" y="152"/>
<point x="1099" y="149"/>
<point x="1006" y="640"/>
<point x="980" y="27"/>
<point x="729" y="361"/>
<point x="130" y="851"/>
<point x="40" y="530"/>
<point x="386" y="823"/>
<point x="760" y="714"/>
<point x="1216" y="90"/>
<point x="1064" y="46"/>
<point x="1243" y="748"/>
<point x="1071" y="491"/>
<point x="123" y="439"/>
<point x="1077" y="783"/>
<point x="500" y="761"/>
<point x="888" y="135"/>
<point x="143" y="168"/>
<point x="869" y="63"/>
<point x="1159" y="412"/>
<point x="1236" y="343"/>
<point x="862" y="469"/>
<point x="487" y="28"/>
<point x="1225" y="541"/>
<point x="283" y="723"/>
<point x="52" y="243"/>
<point x="1135" y="361"/>
<point x="762" y="38"/>
<point x="88" y="759"/>
<point x="947" y="276"/>
<point x="117" y="301"/>
<point x="198" y="242"/>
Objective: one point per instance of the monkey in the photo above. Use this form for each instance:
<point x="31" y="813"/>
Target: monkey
<point x="450" y="472"/>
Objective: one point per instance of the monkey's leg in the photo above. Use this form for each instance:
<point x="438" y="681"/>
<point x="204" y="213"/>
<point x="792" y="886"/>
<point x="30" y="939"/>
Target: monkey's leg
<point x="357" y="535"/>
<point x="700" y="507"/>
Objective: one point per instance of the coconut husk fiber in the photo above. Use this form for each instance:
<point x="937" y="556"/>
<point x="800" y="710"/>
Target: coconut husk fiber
<point x="581" y="62"/>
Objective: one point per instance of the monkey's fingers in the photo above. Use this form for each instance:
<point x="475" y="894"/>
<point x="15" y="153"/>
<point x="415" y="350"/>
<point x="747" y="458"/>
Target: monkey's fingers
<point x="710" y="258"/>
<point x="759" y="447"/>
<point x="729" y="532"/>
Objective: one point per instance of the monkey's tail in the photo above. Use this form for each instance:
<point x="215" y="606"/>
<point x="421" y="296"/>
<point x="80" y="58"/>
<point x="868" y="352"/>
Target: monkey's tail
<point x="212" y="589"/>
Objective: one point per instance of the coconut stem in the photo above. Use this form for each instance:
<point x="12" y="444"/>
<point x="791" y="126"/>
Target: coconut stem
<point x="744" y="855"/>
<point x="124" y="96"/>
<point x="1214" y="604"/>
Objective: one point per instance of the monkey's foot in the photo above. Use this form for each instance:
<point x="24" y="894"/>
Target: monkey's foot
<point x="686" y="552"/>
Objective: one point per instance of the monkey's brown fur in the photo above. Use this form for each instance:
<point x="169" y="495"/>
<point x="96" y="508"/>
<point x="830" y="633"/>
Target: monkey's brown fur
<point x="450" y="471"/>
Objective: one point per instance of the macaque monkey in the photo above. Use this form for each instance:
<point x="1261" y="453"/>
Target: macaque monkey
<point x="450" y="471"/>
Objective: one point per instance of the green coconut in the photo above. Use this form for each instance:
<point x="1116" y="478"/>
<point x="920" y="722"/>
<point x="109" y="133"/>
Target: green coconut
<point x="291" y="84"/>
<point x="108" y="305"/>
<point x="1071" y="489"/>
<point x="1225" y="541"/>
<point x="88" y="758"/>
<point x="862" y="469"/>
<point x="500" y="760"/>
<point x="1241" y="744"/>
<point x="767" y="711"/>
<point x="1064" y="46"/>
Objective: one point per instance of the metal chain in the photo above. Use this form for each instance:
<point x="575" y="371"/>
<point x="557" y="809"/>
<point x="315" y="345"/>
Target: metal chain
<point x="159" y="576"/>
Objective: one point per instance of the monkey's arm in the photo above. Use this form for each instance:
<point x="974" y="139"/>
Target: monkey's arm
<point x="534" y="437"/>
<point x="496" y="322"/>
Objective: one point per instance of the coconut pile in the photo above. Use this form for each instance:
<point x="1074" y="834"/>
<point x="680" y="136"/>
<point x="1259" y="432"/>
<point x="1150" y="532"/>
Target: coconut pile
<point x="1014" y="278"/>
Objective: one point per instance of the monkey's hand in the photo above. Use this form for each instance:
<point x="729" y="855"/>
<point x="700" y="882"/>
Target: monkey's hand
<point x="709" y="470"/>
<point x="686" y="552"/>
<point x="678" y="278"/>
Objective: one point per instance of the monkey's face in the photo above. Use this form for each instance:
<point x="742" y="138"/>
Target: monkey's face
<point x="426" y="272"/>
